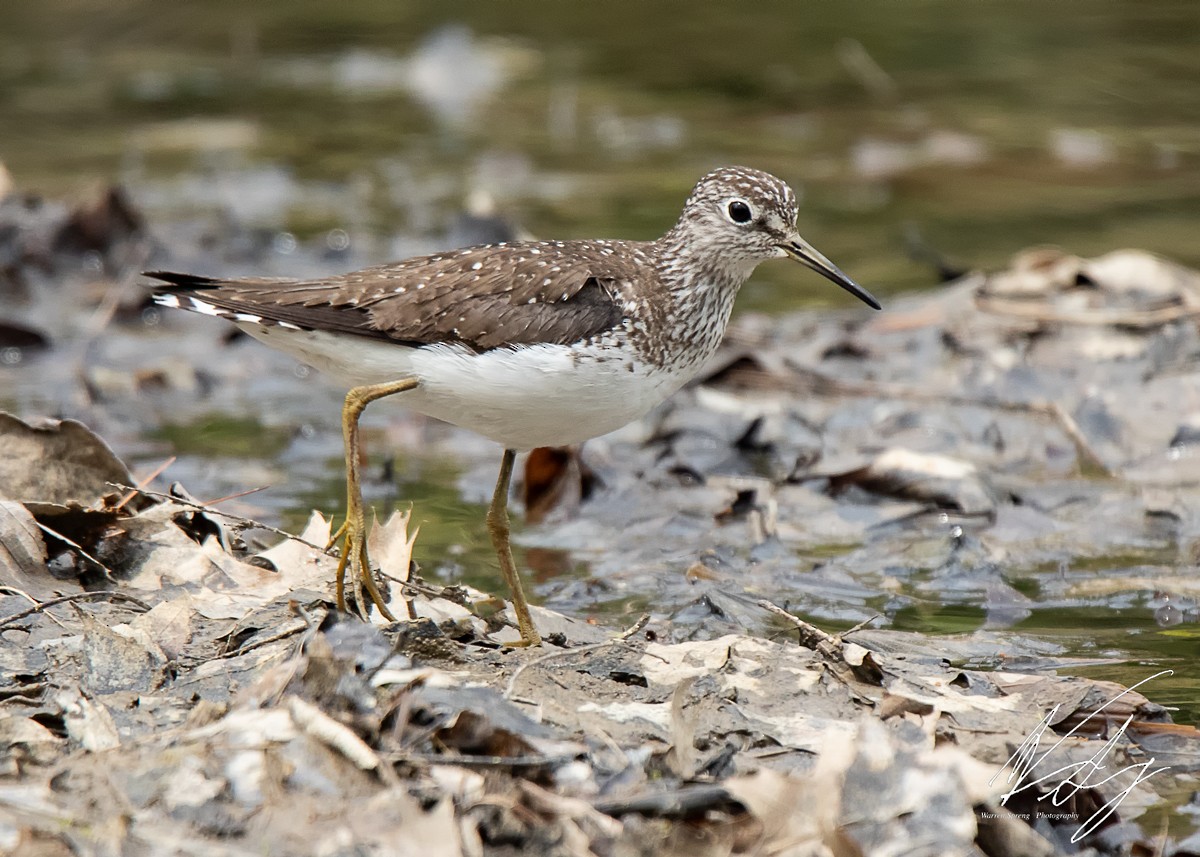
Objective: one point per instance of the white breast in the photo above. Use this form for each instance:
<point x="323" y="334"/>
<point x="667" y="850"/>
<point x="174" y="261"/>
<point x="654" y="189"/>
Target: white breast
<point x="534" y="395"/>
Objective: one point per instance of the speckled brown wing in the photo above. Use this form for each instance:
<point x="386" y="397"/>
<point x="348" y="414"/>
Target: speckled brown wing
<point x="484" y="297"/>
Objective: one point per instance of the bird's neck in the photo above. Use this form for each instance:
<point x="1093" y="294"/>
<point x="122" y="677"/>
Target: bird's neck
<point x="692" y="265"/>
<point x="699" y="289"/>
<point x="696" y="277"/>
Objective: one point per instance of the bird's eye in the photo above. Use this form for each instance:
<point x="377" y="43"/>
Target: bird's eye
<point x="739" y="211"/>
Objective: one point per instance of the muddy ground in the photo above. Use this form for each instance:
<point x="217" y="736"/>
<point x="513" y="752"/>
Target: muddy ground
<point x="173" y="679"/>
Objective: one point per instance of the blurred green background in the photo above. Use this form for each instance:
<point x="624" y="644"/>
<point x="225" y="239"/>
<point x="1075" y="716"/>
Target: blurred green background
<point x="980" y="127"/>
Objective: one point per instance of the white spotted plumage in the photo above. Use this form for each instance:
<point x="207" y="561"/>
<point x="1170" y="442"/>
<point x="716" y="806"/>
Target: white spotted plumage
<point x="670" y="309"/>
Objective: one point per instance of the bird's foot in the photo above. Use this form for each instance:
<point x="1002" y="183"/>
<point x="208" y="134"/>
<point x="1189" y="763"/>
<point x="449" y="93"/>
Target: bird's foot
<point x="525" y="642"/>
<point x="353" y="557"/>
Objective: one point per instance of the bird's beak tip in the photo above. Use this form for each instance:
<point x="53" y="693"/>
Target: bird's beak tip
<point x="807" y="255"/>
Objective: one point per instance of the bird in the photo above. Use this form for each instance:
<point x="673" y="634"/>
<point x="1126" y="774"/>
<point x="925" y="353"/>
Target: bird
<point x="528" y="343"/>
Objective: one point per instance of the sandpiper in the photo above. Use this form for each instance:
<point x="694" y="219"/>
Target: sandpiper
<point x="532" y="343"/>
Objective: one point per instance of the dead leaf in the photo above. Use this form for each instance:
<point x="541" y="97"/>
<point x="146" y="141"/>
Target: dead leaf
<point x="22" y="550"/>
<point x="114" y="663"/>
<point x="556" y="481"/>
<point x="938" y="479"/>
<point x="894" y="704"/>
<point x="89" y="723"/>
<point x="298" y="564"/>
<point x="390" y="546"/>
<point x="168" y="625"/>
<point x="1035" y="272"/>
<point x="1136" y="271"/>
<point x="24" y="740"/>
<point x="681" y="758"/>
<point x="56" y="461"/>
<point x="773" y="799"/>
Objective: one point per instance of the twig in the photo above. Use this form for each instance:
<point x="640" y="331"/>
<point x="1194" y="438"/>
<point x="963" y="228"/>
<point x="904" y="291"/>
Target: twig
<point x="74" y="545"/>
<point x="246" y="522"/>
<point x="12" y="590"/>
<point x="811" y="637"/>
<point x="1103" y="317"/>
<point x="23" y="594"/>
<point x="579" y="650"/>
<point x="258" y="644"/>
<point x="864" y="623"/>
<point x="1067" y="423"/>
<point x="830" y="648"/>
<point x="78" y="596"/>
<point x="641" y="623"/>
<point x="245" y="493"/>
<point x="428" y="590"/>
<point x="335" y="735"/>
<point x="528" y="761"/>
<point x="154" y="474"/>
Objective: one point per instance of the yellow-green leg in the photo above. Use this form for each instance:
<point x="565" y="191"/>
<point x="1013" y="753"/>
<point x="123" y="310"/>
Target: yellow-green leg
<point x="497" y="524"/>
<point x="354" y="531"/>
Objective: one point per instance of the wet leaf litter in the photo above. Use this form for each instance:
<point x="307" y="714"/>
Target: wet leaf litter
<point x="173" y="674"/>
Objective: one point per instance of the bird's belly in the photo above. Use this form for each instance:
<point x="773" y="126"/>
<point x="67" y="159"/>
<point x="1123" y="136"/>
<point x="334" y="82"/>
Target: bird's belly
<point x="533" y="395"/>
<point x="538" y="395"/>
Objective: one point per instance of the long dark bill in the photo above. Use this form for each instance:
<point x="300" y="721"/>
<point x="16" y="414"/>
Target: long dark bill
<point x="807" y="255"/>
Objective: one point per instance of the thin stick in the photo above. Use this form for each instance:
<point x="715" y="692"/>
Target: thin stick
<point x="1084" y="449"/>
<point x="12" y="590"/>
<point x="864" y="623"/>
<point x="235" y="496"/>
<point x="75" y="545"/>
<point x="258" y="644"/>
<point x="337" y="736"/>
<point x="78" y="596"/>
<point x="579" y="650"/>
<point x="430" y="591"/>
<point x="154" y="474"/>
<point x="246" y="522"/>
<point x="1104" y="317"/>
<point x="641" y="623"/>
<point x="811" y="637"/>
<point x="477" y="761"/>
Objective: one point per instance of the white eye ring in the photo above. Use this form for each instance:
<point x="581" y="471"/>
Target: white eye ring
<point x="739" y="211"/>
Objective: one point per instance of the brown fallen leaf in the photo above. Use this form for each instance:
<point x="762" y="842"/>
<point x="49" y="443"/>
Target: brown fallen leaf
<point x="113" y="662"/>
<point x="556" y="480"/>
<point x="89" y="724"/>
<point x="167" y="625"/>
<point x="773" y="798"/>
<point x="893" y="704"/>
<point x="939" y="479"/>
<point x="100" y="224"/>
<point x="390" y="545"/>
<point x="56" y="461"/>
<point x="22" y="549"/>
